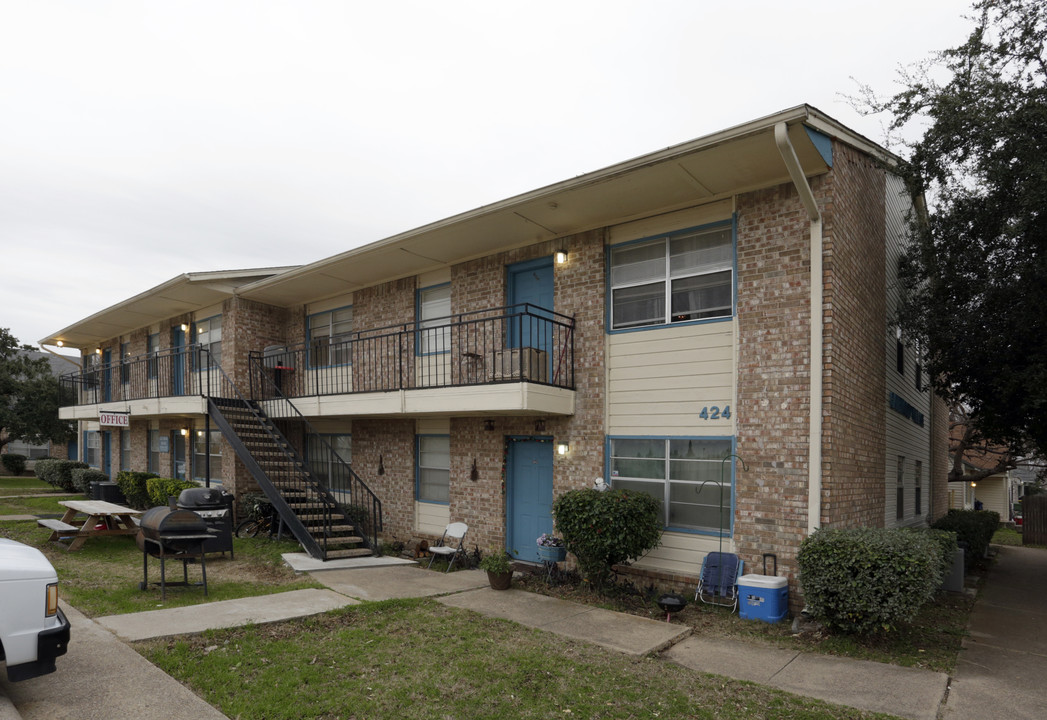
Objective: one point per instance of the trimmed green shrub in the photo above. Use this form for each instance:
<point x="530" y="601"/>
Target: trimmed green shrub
<point x="83" y="477"/>
<point x="133" y="485"/>
<point x="602" y="529"/>
<point x="861" y="580"/>
<point x="160" y="489"/>
<point x="57" y="472"/>
<point x="14" y="463"/>
<point x="973" y="528"/>
<point x="946" y="542"/>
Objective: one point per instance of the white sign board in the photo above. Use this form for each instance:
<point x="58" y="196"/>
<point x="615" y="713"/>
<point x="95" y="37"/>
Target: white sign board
<point x="114" y="419"/>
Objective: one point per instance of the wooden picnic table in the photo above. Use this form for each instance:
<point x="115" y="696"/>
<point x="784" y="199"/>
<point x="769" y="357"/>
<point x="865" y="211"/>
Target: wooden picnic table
<point x="103" y="518"/>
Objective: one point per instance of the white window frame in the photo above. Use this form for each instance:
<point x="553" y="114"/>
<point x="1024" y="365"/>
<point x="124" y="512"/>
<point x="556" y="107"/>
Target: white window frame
<point x="671" y="268"/>
<point x="200" y="455"/>
<point x="208" y="335"/>
<point x="431" y="475"/>
<point x="434" y="329"/>
<point x="327" y="332"/>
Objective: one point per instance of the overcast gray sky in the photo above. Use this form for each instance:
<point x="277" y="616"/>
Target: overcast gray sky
<point x="140" y="140"/>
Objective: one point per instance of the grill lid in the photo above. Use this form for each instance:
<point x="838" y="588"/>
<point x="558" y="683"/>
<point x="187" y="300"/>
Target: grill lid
<point x="201" y="497"/>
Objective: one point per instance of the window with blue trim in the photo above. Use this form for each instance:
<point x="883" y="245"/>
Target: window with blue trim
<point x="682" y="474"/>
<point x="329" y="333"/>
<point x="434" y="309"/>
<point x="153" y="350"/>
<point x="125" y="363"/>
<point x="680" y="277"/>
<point x="433" y="468"/>
<point x="201" y="444"/>
<point x="153" y="462"/>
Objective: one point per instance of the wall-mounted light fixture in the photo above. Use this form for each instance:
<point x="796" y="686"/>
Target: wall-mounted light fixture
<point x="488" y="424"/>
<point x="60" y="343"/>
<point x="184" y="327"/>
<point x="98" y="351"/>
<point x="474" y="474"/>
<point x="561" y="257"/>
<point x="184" y="431"/>
<point x="974" y="484"/>
<point x="563" y="448"/>
<point x="381" y="465"/>
<point x="539" y="425"/>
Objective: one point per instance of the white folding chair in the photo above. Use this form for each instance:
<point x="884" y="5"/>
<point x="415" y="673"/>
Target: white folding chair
<point x="452" y="533"/>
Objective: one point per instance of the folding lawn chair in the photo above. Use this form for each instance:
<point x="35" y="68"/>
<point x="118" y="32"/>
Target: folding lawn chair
<point x="453" y="533"/>
<point x="718" y="583"/>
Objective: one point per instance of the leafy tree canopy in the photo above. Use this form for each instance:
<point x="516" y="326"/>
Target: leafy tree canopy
<point x="28" y="396"/>
<point x="975" y="275"/>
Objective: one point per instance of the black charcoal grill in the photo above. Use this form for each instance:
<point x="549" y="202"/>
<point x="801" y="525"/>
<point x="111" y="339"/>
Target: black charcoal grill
<point x="170" y="532"/>
<point x="215" y="506"/>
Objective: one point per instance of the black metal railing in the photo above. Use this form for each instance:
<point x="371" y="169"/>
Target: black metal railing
<point x="345" y="495"/>
<point x="169" y="373"/>
<point x="520" y="343"/>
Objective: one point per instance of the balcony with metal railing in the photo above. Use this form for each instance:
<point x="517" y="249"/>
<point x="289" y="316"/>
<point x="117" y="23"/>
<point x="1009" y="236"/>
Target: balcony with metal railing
<point x="516" y="360"/>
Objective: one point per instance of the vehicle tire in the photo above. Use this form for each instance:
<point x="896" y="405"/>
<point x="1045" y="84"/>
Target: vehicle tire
<point x="248" y="528"/>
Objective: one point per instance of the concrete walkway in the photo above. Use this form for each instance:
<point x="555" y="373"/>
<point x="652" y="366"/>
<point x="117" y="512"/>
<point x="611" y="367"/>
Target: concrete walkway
<point x="1002" y="667"/>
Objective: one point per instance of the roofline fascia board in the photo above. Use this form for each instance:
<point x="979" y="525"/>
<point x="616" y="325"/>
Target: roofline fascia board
<point x="800" y="113"/>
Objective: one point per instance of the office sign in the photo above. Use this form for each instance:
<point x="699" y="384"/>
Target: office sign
<point x="114" y="419"/>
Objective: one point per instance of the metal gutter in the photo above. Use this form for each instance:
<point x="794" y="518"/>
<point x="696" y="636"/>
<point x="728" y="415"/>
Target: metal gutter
<point x="814" y="441"/>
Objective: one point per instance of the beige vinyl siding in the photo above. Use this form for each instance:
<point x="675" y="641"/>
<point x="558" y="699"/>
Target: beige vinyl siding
<point x="659" y="380"/>
<point x="904" y="437"/>
<point x="992" y="491"/>
<point x="682" y="553"/>
<point x="333" y="303"/>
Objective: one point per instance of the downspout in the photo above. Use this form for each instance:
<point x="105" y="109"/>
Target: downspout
<point x="814" y="458"/>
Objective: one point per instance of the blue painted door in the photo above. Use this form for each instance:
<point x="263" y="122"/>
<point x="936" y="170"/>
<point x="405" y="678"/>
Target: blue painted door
<point x="531" y="282"/>
<point x="177" y="361"/>
<point x="178" y="454"/>
<point x="107" y="453"/>
<point x="530" y="496"/>
<point x="107" y="375"/>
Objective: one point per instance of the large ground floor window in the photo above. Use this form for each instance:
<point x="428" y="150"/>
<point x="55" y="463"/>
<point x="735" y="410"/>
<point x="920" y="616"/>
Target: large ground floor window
<point x="689" y="478"/>
<point x="200" y="455"/>
<point x="321" y="463"/>
<point x="93" y="448"/>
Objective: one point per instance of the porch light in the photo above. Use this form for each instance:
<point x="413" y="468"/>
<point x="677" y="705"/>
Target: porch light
<point x="60" y="343"/>
<point x="561" y="257"/>
<point x="488" y="424"/>
<point x="184" y="431"/>
<point x="184" y="327"/>
<point x="562" y="448"/>
<point x="974" y="484"/>
<point x="98" y="351"/>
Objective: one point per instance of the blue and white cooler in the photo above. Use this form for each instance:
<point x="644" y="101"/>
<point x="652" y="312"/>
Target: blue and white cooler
<point x="763" y="597"/>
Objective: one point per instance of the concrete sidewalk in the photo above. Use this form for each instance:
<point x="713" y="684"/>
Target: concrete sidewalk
<point x="1002" y="669"/>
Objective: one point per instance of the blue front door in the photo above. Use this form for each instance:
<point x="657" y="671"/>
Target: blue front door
<point x="530" y="496"/>
<point x="531" y="282"/>
<point x="177" y="361"/>
<point x="107" y="376"/>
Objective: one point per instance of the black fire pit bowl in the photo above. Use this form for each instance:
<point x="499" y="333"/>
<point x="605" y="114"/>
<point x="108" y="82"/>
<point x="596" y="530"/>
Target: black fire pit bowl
<point x="671" y="603"/>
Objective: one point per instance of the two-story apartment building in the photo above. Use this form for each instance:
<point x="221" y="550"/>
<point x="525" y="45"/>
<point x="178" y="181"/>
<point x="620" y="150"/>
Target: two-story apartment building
<point x="709" y="323"/>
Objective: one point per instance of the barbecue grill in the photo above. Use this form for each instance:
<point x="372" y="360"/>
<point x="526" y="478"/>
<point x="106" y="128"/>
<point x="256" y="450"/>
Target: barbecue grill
<point x="215" y="506"/>
<point x="169" y="532"/>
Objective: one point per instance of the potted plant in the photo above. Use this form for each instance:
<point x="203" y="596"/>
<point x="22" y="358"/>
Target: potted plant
<point x="551" y="549"/>
<point x="499" y="567"/>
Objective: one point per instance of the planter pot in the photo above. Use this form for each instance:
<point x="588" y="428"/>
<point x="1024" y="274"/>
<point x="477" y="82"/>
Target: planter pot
<point x="499" y="581"/>
<point x="552" y="554"/>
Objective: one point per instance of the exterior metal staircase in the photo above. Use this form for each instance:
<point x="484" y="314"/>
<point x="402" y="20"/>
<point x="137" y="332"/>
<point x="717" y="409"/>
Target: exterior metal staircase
<point x="308" y="509"/>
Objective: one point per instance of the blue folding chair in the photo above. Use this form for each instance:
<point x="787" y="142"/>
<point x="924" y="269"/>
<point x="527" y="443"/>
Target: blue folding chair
<point x="718" y="583"/>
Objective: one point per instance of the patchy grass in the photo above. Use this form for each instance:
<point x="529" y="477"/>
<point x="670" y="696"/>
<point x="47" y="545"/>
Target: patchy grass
<point x="931" y="641"/>
<point x="419" y="659"/>
<point x="102" y="577"/>
<point x="1007" y="536"/>
<point x="20" y="505"/>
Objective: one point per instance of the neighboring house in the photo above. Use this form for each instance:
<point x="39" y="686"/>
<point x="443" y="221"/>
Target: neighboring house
<point x="60" y="365"/>
<point x="652" y="324"/>
<point x="997" y="492"/>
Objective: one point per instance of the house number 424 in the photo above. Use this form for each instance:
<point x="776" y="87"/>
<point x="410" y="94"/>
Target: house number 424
<point x="715" y="413"/>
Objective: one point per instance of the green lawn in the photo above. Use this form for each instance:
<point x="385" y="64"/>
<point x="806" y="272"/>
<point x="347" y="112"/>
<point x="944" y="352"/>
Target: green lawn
<point x="419" y="659"/>
<point x="102" y="577"/>
<point x="24" y="484"/>
<point x="18" y="505"/>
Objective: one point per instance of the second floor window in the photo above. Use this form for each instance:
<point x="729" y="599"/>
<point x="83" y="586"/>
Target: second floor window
<point x="209" y="338"/>
<point x="681" y="277"/>
<point x="153" y="350"/>
<point x="328" y="335"/>
<point x="125" y="363"/>
<point x="434" y="330"/>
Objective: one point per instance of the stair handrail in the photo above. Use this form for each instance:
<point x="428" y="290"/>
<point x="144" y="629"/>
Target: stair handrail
<point x="361" y="496"/>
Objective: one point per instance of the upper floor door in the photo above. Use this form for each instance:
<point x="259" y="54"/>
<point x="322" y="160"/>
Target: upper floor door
<point x="530" y="293"/>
